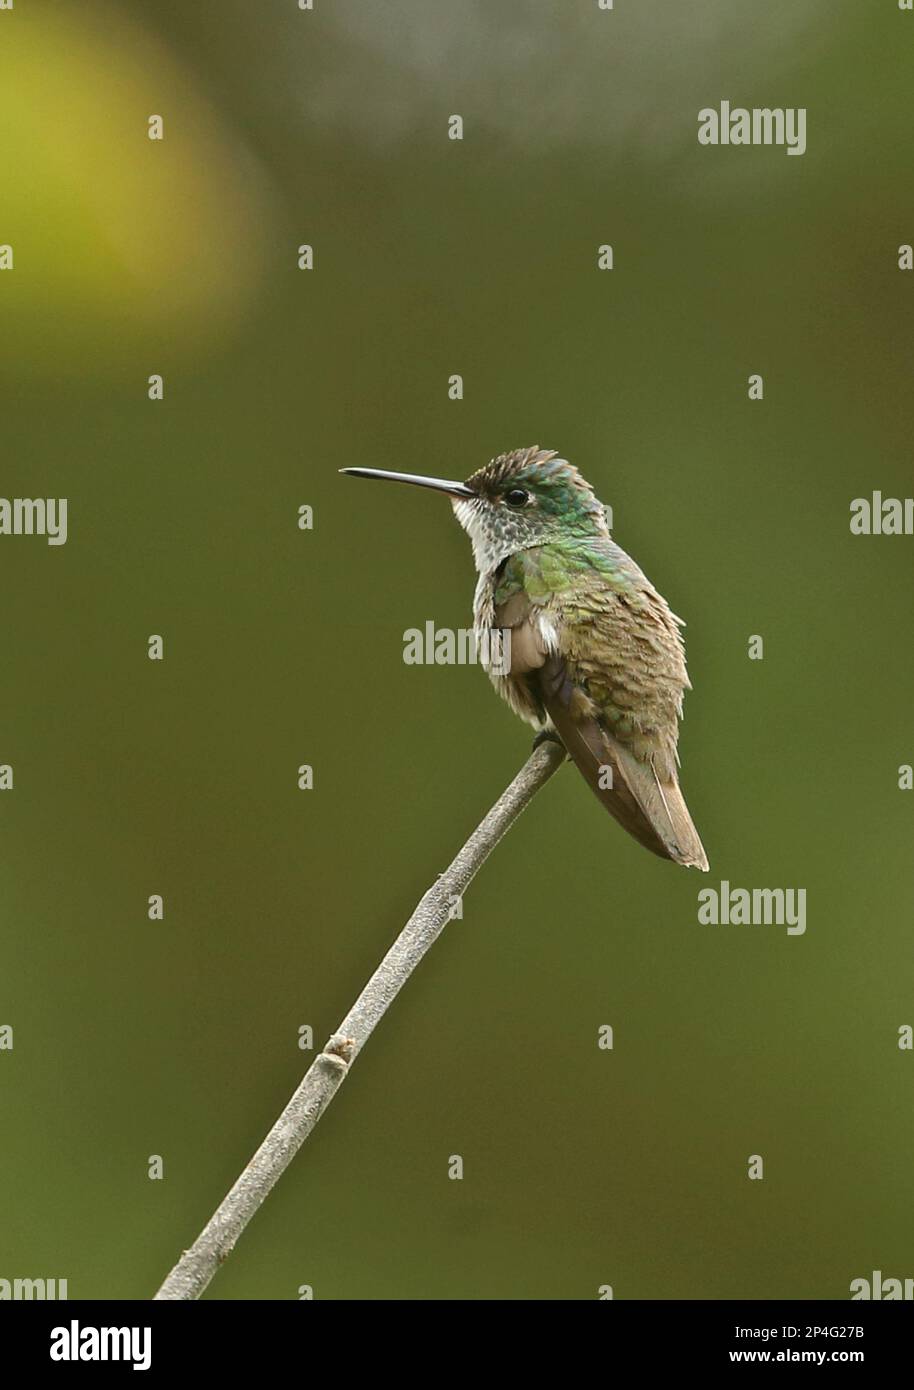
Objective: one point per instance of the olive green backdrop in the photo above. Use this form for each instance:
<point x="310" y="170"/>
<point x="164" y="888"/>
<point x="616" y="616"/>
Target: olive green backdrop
<point x="282" y="647"/>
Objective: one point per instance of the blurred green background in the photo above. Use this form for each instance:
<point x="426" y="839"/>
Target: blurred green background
<point x="179" y="1038"/>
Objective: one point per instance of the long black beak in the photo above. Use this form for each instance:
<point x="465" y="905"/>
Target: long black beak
<point x="439" y="484"/>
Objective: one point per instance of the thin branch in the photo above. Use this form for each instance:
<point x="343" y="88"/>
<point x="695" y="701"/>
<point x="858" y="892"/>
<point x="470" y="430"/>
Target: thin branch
<point x="323" y="1078"/>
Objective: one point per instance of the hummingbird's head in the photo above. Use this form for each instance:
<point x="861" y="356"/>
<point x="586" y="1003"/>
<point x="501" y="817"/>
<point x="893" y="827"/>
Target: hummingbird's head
<point x="522" y="499"/>
<point x="516" y="501"/>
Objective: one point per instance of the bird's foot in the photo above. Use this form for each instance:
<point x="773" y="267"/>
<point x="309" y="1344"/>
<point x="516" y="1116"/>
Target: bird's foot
<point x="546" y="736"/>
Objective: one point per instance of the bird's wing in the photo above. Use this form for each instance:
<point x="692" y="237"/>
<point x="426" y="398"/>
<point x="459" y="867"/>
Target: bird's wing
<point x="601" y="652"/>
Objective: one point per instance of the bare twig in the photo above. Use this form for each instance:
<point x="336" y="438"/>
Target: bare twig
<point x="322" y="1080"/>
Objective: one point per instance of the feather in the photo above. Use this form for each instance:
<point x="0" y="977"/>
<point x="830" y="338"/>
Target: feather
<point x="596" y="654"/>
<point x="654" y="813"/>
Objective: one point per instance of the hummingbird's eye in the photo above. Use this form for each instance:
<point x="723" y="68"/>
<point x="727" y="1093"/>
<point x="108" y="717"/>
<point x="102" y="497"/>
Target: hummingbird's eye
<point x="517" y="497"/>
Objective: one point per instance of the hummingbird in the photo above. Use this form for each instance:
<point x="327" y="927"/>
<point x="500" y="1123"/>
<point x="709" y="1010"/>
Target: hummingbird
<point x="595" y="654"/>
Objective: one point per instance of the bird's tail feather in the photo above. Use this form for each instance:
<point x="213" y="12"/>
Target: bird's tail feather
<point x="651" y="810"/>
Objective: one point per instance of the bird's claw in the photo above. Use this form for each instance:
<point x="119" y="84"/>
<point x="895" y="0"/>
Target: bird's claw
<point x="546" y="736"/>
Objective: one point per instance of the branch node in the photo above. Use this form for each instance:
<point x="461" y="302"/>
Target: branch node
<point x="339" y="1051"/>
